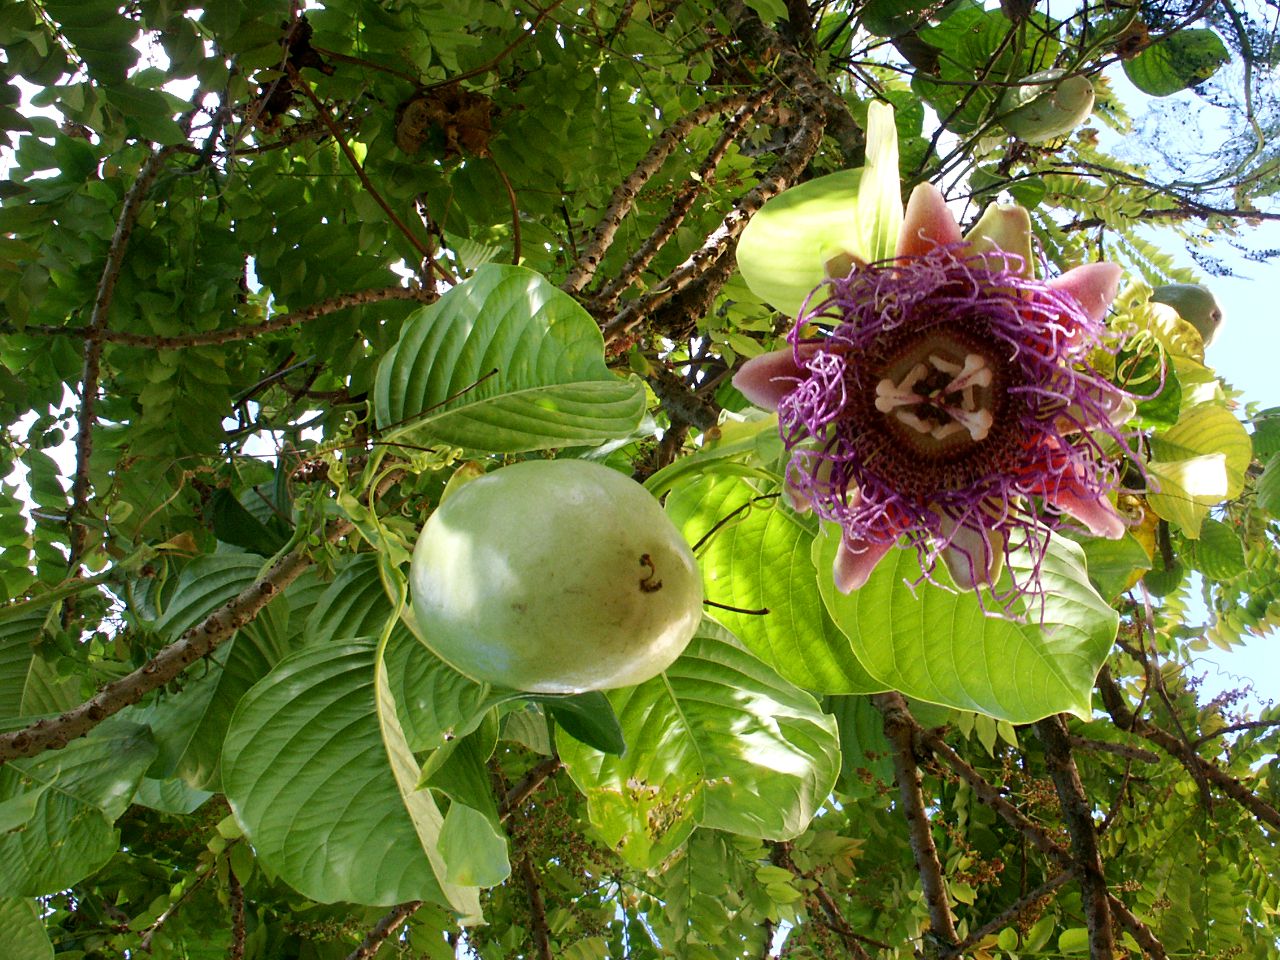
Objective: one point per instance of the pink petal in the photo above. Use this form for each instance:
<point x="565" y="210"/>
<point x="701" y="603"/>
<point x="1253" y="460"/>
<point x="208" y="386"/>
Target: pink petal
<point x="855" y="559"/>
<point x="1095" y="512"/>
<point x="973" y="556"/>
<point x="1094" y="284"/>
<point x="766" y="379"/>
<point x="927" y="222"/>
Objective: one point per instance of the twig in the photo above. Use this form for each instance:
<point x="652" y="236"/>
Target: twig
<point x="1235" y="728"/>
<point x="383" y="929"/>
<point x="248" y="332"/>
<point x="853" y="941"/>
<point x="323" y="112"/>
<point x="1196" y="765"/>
<point x="624" y="195"/>
<point x="795" y="156"/>
<point x="900" y="728"/>
<point x="87" y="417"/>
<point x="203" y="873"/>
<point x="538" y="774"/>
<point x="1010" y="913"/>
<point x="605" y="299"/>
<point x="1084" y="837"/>
<point x="504" y="53"/>
<point x="1125" y="750"/>
<point x="515" y="210"/>
<point x="237" y="915"/>
<point x="1140" y="931"/>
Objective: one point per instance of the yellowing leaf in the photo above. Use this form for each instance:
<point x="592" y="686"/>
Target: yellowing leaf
<point x="1198" y="462"/>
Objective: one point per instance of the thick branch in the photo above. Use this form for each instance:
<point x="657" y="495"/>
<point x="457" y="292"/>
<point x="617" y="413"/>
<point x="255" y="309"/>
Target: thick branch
<point x="383" y="929"/>
<point x="196" y="643"/>
<point x="1198" y="766"/>
<point x="990" y="795"/>
<point x="91" y="369"/>
<point x="795" y="156"/>
<point x="797" y="72"/>
<point x="1149" y="942"/>
<point x="1084" y="837"/>
<point x="607" y="297"/>
<point x="900" y="730"/>
<point x="624" y="195"/>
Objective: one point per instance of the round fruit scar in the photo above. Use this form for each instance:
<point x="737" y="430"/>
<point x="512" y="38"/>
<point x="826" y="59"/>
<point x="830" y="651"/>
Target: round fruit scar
<point x="555" y="576"/>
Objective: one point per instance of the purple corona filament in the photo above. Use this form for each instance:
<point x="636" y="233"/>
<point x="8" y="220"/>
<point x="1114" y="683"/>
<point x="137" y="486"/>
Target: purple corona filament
<point x="945" y="398"/>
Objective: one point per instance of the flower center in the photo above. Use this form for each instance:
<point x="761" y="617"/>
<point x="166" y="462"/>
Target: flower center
<point x="937" y="394"/>
<point x="931" y="412"/>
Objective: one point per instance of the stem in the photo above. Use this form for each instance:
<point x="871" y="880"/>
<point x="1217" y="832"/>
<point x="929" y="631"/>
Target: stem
<point x="383" y="929"/>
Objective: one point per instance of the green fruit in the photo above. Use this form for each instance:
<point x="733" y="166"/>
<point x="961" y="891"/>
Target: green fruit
<point x="555" y="576"/>
<point x="1195" y="304"/>
<point x="1046" y="105"/>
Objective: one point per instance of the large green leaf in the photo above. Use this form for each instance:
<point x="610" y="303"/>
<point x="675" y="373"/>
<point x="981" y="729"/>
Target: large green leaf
<point x="1178" y="61"/>
<point x="784" y="248"/>
<point x="760" y="559"/>
<point x="1198" y="462"/>
<point x="504" y="362"/>
<point x="29" y="684"/>
<point x="437" y="703"/>
<point x="305" y="769"/>
<point x="719" y="740"/>
<point x="939" y="646"/>
<point x="57" y="810"/>
<point x="190" y="724"/>
<point x="24" y="933"/>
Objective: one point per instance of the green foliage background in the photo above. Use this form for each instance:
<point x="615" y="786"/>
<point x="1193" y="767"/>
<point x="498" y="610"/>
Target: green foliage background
<point x="272" y="272"/>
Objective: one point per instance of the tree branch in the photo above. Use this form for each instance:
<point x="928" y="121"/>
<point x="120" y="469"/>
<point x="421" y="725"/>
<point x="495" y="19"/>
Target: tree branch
<point x="1140" y="931"/>
<point x="900" y="729"/>
<point x="1010" y="913"/>
<point x="537" y="908"/>
<point x="237" y="915"/>
<point x="780" y="854"/>
<point x="383" y="929"/>
<point x="1078" y="814"/>
<point x="797" y="72"/>
<point x="795" y="156"/>
<point x="538" y="774"/>
<point x="1196" y="765"/>
<point x="215" y="337"/>
<point x="625" y="194"/>
<point x="87" y="416"/>
<point x="606" y="298"/>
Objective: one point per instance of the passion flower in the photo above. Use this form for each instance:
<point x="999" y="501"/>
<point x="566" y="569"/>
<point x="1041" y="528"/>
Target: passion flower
<point x="945" y="398"/>
<point x="555" y="576"/>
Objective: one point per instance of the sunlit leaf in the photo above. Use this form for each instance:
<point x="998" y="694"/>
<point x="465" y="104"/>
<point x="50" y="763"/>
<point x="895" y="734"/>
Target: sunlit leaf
<point x="504" y="362"/>
<point x="720" y="741"/>
<point x="940" y="646"/>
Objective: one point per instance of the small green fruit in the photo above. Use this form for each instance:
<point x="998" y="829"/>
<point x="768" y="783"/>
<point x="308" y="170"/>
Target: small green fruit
<point x="1195" y="304"/>
<point x="555" y="576"/>
<point x="1046" y="105"/>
